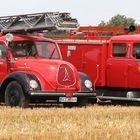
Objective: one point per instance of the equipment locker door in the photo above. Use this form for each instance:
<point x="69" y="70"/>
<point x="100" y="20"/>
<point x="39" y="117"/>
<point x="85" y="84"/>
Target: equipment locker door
<point x="117" y="66"/>
<point x="73" y="53"/>
<point x="91" y="58"/>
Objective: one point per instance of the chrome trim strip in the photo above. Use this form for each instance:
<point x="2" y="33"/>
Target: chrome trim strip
<point x="58" y="94"/>
<point x="118" y="98"/>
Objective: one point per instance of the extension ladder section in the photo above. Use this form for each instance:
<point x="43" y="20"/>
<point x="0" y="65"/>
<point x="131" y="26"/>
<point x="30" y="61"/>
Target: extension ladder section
<point x="37" y="22"/>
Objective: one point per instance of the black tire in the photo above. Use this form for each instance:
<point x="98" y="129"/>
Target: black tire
<point x="82" y="102"/>
<point x="14" y="95"/>
<point x="92" y="100"/>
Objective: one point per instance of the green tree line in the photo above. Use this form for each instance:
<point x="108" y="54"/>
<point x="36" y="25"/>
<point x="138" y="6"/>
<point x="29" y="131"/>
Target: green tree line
<point x="119" y="20"/>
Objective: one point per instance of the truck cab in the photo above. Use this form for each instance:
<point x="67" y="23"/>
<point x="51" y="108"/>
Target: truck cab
<point x="117" y="73"/>
<point x="123" y="64"/>
<point x="32" y="69"/>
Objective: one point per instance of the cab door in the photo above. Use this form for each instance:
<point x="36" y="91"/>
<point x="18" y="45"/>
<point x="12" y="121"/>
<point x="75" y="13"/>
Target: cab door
<point x="134" y="67"/>
<point x="3" y="61"/>
<point x="117" y="65"/>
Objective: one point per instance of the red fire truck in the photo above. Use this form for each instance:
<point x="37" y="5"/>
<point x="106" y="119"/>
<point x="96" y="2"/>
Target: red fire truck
<point x="112" y="62"/>
<point x="31" y="66"/>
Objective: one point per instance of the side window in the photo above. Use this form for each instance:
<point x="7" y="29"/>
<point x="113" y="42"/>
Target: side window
<point x="136" y="48"/>
<point x="53" y="53"/>
<point x="23" y="48"/>
<point x="119" y="50"/>
<point x="3" y="52"/>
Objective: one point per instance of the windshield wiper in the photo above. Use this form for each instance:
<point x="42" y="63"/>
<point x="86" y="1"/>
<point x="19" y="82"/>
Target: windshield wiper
<point x="52" y="53"/>
<point x="28" y="53"/>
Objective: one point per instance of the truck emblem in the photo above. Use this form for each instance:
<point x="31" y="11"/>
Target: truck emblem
<point x="66" y="77"/>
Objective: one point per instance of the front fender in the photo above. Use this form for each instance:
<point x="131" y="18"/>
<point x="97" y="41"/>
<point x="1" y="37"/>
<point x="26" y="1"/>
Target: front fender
<point x="22" y="78"/>
<point x="83" y="77"/>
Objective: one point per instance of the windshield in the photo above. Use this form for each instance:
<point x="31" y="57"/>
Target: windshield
<point x="34" y="49"/>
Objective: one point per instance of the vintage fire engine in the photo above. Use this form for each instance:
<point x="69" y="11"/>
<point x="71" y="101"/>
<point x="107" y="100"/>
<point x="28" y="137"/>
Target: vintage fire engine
<point x="112" y="62"/>
<point x="31" y="66"/>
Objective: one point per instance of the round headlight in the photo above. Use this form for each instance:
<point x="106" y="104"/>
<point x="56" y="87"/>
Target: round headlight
<point x="9" y="37"/>
<point x="88" y="83"/>
<point x="33" y="84"/>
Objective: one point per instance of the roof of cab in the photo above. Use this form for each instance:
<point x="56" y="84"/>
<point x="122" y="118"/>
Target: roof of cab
<point x="135" y="37"/>
<point x="26" y="37"/>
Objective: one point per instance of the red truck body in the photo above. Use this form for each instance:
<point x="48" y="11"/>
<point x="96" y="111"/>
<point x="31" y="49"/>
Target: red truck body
<point x="85" y="56"/>
<point x="112" y="64"/>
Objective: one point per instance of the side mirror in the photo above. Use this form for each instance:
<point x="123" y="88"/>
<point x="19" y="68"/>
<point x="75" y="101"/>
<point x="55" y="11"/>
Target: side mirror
<point x="137" y="54"/>
<point x="2" y="54"/>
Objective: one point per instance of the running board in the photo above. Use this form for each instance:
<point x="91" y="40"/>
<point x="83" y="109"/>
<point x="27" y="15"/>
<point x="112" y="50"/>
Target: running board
<point x="118" y="98"/>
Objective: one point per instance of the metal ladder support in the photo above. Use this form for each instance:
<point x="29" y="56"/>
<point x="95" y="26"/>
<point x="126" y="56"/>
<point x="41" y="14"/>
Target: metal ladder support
<point x="37" y="22"/>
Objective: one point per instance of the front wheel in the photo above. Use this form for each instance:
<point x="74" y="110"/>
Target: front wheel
<point x="14" y="95"/>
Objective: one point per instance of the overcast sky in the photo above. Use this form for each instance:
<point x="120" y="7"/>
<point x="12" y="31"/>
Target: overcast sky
<point x="88" y="12"/>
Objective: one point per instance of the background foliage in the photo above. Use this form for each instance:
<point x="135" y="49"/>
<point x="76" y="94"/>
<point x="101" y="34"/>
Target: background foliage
<point x="119" y="20"/>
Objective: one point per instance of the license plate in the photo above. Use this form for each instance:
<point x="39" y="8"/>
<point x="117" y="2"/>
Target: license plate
<point x="68" y="99"/>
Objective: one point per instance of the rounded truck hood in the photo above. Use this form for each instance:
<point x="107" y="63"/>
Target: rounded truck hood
<point x="52" y="74"/>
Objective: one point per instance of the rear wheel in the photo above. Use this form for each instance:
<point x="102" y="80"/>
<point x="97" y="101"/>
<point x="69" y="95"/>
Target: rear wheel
<point x="14" y="95"/>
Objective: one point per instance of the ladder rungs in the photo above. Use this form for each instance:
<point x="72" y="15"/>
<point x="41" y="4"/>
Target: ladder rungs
<point x="38" y="21"/>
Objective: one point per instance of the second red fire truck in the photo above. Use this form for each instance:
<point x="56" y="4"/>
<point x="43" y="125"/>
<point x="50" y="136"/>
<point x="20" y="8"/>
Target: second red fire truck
<point x="112" y="63"/>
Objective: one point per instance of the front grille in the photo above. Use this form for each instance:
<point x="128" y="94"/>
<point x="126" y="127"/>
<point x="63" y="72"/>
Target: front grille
<point x="66" y="75"/>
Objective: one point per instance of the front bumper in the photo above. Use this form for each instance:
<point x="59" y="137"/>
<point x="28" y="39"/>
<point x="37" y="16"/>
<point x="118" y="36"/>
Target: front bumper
<point x="61" y="94"/>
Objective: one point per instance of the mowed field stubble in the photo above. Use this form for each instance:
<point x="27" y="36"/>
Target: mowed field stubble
<point x="94" y="122"/>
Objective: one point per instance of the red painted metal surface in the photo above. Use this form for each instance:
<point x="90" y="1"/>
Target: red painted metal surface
<point x="31" y="66"/>
<point x="45" y="69"/>
<point x="94" y="57"/>
<point x="87" y="58"/>
<point x="100" y="33"/>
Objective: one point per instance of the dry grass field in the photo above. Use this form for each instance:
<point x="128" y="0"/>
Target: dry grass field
<point x="94" y="122"/>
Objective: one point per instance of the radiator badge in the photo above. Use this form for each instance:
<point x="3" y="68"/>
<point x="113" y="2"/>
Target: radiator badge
<point x="66" y="76"/>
